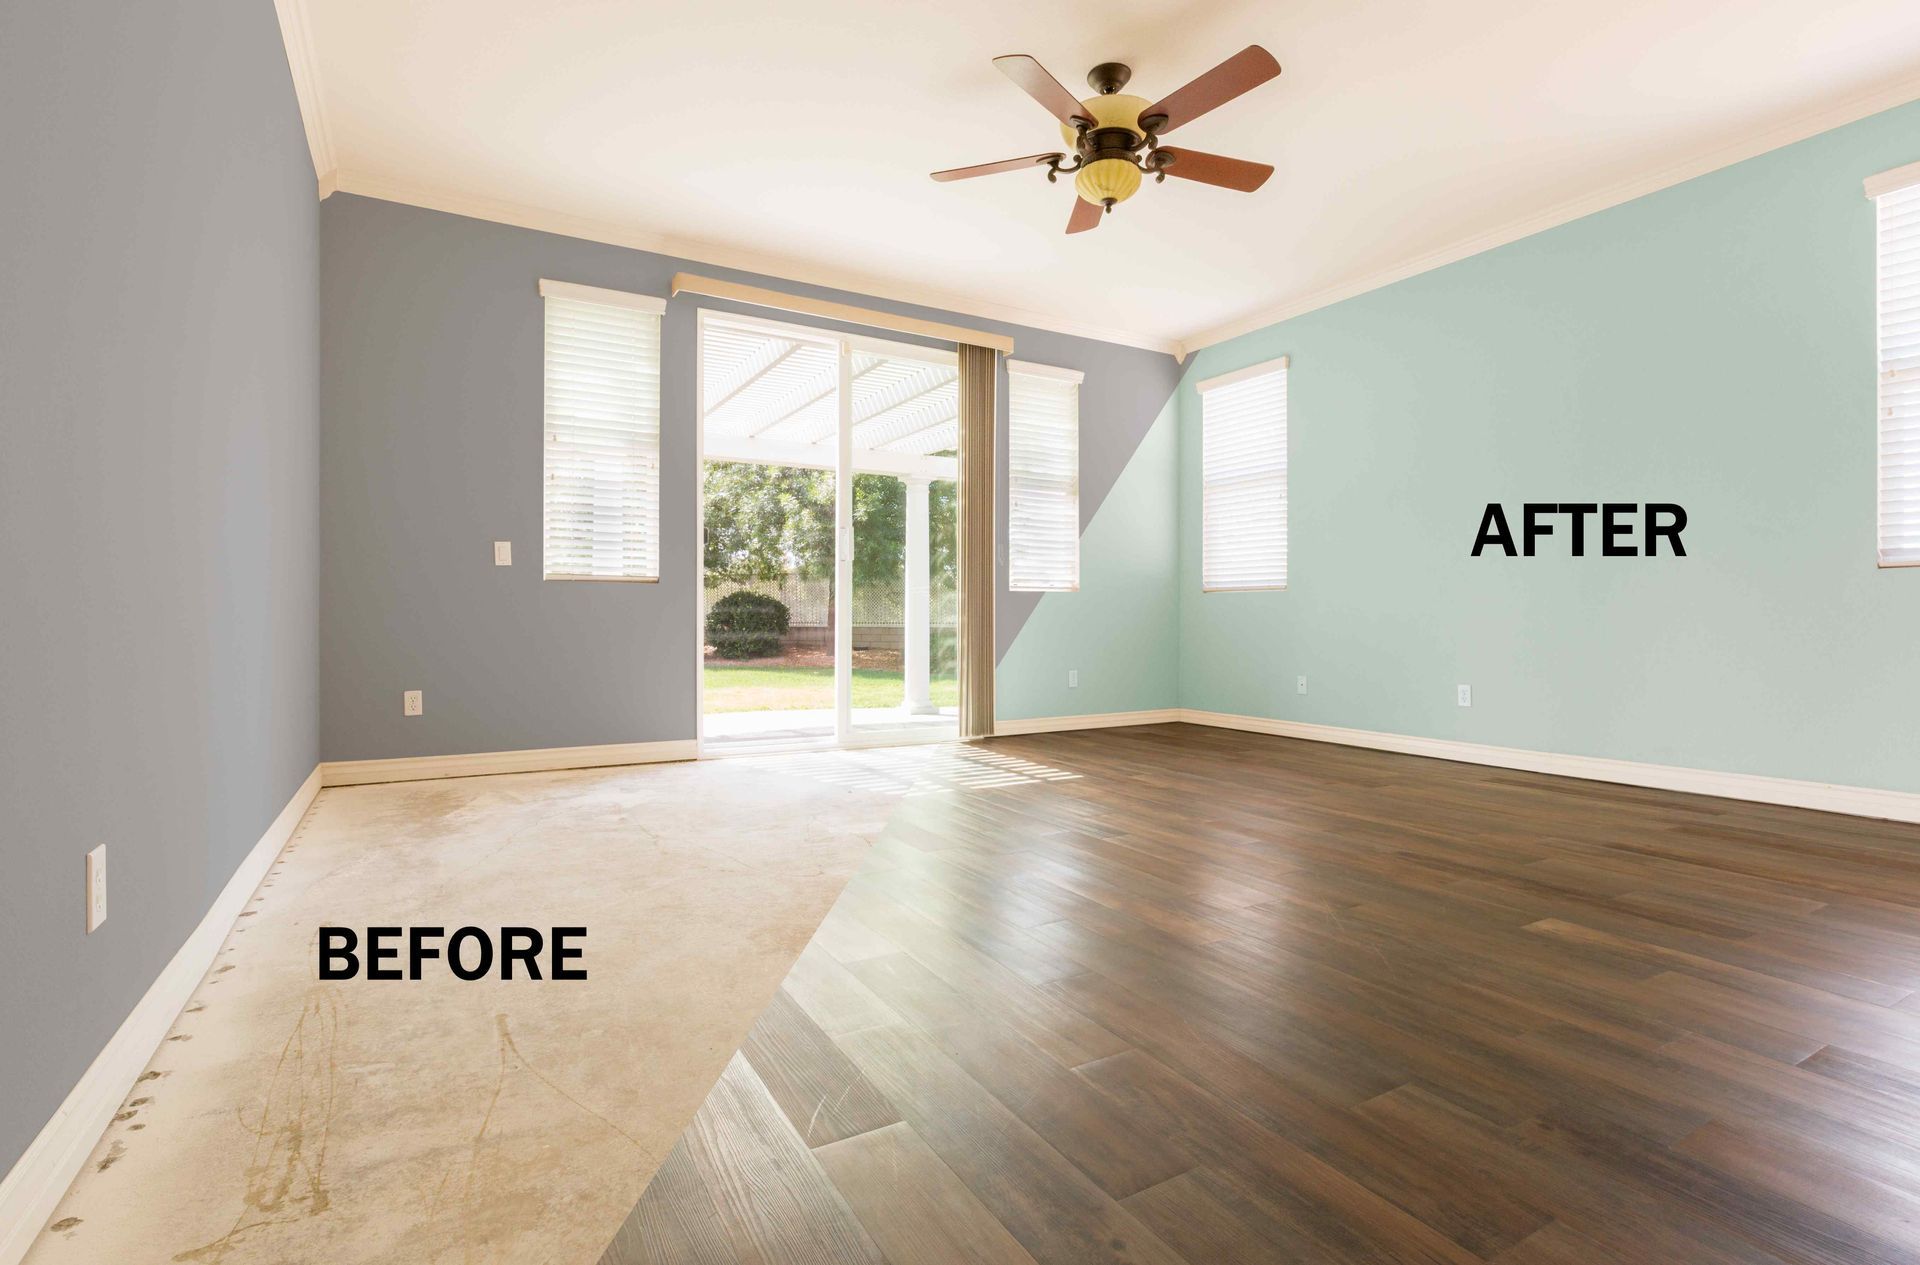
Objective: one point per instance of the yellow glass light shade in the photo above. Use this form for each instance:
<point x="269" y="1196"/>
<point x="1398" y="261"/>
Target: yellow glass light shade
<point x="1113" y="110"/>
<point x="1113" y="178"/>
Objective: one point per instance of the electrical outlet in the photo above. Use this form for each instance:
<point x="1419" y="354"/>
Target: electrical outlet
<point x="503" y="553"/>
<point x="411" y="703"/>
<point x="1073" y="678"/>
<point x="1300" y="685"/>
<point x="1465" y="695"/>
<point x="96" y="887"/>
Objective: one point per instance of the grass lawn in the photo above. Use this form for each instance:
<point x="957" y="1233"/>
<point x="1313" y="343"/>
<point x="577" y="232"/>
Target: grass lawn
<point x="781" y="687"/>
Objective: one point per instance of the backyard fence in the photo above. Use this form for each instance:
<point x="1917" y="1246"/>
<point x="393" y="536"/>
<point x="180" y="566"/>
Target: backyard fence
<point x="879" y="610"/>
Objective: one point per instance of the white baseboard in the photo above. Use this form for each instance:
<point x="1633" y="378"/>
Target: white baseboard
<point x="1098" y="720"/>
<point x="34" y="1187"/>
<point x="1859" y="801"/>
<point x="483" y="763"/>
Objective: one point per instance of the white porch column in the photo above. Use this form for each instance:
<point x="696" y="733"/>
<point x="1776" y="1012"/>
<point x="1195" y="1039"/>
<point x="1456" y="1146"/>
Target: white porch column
<point x="919" y="604"/>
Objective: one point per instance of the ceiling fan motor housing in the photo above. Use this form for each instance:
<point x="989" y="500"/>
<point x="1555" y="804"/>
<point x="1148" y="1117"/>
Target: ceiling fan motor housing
<point x="1110" y="170"/>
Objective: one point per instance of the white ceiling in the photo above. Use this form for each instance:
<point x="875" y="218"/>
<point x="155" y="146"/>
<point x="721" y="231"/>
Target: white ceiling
<point x="797" y="137"/>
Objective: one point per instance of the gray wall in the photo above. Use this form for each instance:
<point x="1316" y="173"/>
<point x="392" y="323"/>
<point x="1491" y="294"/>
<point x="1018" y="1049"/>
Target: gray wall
<point x="159" y="257"/>
<point x="431" y="394"/>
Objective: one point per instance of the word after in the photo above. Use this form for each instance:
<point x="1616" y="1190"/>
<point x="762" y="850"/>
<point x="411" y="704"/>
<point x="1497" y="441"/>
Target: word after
<point x="1620" y="528"/>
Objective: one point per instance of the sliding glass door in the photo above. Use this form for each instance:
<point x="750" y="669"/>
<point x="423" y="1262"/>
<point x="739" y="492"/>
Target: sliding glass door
<point x="827" y="542"/>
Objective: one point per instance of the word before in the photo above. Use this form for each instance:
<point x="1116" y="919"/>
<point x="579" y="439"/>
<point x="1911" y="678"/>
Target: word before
<point x="1616" y="528"/>
<point x="469" y="951"/>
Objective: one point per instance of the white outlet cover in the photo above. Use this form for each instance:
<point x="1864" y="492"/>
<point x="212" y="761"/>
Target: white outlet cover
<point x="96" y="887"/>
<point x="412" y="704"/>
<point x="503" y="553"/>
<point x="1465" y="695"/>
<point x="1073" y="678"/>
<point x="1300" y="685"/>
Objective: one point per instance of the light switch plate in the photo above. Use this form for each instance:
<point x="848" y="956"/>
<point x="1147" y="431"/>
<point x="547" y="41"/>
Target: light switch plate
<point x="503" y="553"/>
<point x="96" y="887"/>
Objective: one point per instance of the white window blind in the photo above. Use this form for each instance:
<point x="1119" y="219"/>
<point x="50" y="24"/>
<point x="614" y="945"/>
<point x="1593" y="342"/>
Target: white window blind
<point x="602" y="434"/>
<point x="1897" y="208"/>
<point x="1243" y="472"/>
<point x="1043" y="478"/>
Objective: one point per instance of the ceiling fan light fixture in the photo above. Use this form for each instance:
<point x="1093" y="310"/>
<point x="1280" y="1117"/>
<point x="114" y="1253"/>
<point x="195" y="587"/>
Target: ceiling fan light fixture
<point x="1113" y="138"/>
<point x="1107" y="181"/>
<point x="1114" y="110"/>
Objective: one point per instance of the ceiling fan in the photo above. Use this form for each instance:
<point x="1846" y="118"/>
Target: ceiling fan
<point x="1116" y="137"/>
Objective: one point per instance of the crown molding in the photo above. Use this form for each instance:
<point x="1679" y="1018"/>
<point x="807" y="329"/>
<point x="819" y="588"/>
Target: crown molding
<point x="1775" y="137"/>
<point x="297" y="35"/>
<point x="542" y="219"/>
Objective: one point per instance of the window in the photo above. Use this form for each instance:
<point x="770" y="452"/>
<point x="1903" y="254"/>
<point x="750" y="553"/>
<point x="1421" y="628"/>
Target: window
<point x="603" y="434"/>
<point x="1243" y="477"/>
<point x="1896" y="198"/>
<point x="1043" y="478"/>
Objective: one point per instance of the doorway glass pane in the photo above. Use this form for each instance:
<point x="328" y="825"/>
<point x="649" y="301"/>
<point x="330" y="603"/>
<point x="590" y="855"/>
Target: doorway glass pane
<point x="905" y="431"/>
<point x="770" y="430"/>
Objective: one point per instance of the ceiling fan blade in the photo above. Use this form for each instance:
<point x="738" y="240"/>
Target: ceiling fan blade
<point x="988" y="169"/>
<point x="1228" y="173"/>
<point x="1242" y="72"/>
<point x="1034" y="80"/>
<point x="1085" y="215"/>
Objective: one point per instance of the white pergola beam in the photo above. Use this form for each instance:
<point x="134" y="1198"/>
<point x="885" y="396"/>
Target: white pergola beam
<point x="753" y="377"/>
<point x="775" y="452"/>
<point x="814" y="399"/>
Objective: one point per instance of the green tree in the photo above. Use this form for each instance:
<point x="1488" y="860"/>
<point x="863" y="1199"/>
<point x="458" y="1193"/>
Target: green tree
<point x="764" y="522"/>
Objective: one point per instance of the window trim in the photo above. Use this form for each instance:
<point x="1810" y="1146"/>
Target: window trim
<point x="652" y="305"/>
<point x="1076" y="378"/>
<point x="550" y="289"/>
<point x="1234" y="377"/>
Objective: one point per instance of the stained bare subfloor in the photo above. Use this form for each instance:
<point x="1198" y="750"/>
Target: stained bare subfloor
<point x="286" y="1120"/>
<point x="1177" y="994"/>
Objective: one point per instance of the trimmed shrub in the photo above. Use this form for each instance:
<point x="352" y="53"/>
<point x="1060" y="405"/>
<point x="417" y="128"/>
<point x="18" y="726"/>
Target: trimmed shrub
<point x="744" y="625"/>
<point x="745" y="645"/>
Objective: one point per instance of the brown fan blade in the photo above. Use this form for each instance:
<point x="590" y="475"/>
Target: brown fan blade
<point x="1242" y="72"/>
<point x="1034" y="80"/>
<point x="1085" y="215"/>
<point x="1228" y="173"/>
<point x="988" y="169"/>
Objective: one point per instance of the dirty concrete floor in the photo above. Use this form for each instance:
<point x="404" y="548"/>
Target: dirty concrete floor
<point x="288" y="1120"/>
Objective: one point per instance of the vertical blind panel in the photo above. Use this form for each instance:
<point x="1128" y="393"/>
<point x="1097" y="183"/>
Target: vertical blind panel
<point x="1043" y="482"/>
<point x="1899" y="302"/>
<point x="603" y="441"/>
<point x="1243" y="461"/>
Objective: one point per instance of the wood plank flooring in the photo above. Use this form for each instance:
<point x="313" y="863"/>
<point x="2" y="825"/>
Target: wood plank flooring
<point x="1190" y="995"/>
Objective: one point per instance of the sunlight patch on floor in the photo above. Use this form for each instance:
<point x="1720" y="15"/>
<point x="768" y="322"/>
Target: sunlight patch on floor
<point x="932" y="770"/>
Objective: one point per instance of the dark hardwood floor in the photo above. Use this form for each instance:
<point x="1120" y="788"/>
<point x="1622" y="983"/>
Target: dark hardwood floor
<point x="1222" y="997"/>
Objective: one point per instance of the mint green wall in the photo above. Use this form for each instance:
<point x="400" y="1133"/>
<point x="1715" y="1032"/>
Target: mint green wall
<point x="1121" y="629"/>
<point x="1711" y="344"/>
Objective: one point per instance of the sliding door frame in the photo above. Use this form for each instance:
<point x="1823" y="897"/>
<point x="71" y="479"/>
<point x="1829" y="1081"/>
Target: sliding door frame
<point x="844" y="734"/>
